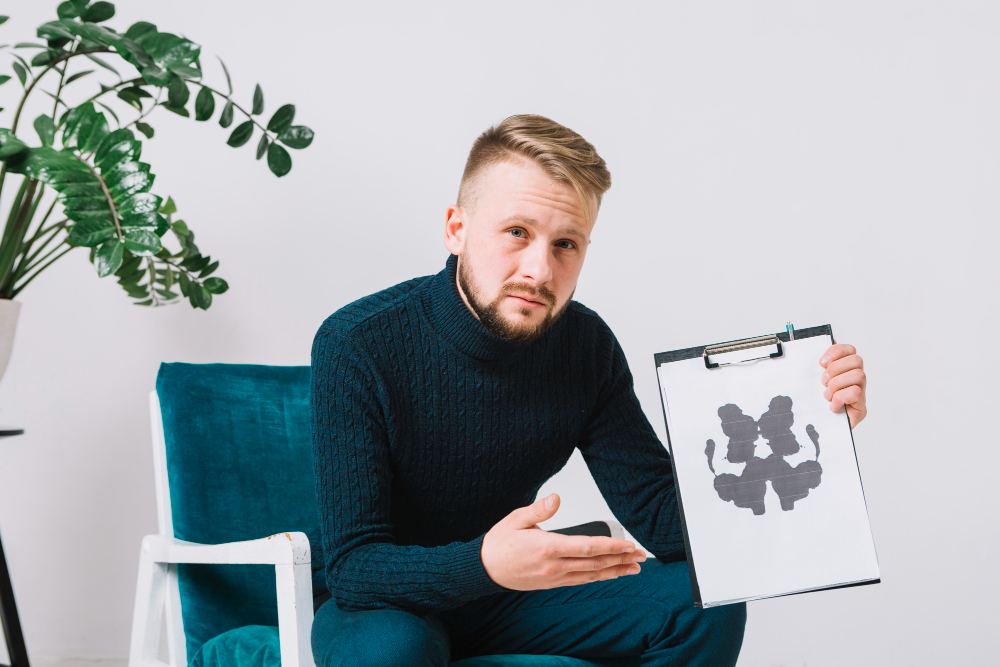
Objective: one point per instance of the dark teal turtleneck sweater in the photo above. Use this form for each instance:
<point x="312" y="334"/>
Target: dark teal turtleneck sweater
<point x="427" y="430"/>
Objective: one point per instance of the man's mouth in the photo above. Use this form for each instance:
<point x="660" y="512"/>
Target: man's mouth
<point x="527" y="301"/>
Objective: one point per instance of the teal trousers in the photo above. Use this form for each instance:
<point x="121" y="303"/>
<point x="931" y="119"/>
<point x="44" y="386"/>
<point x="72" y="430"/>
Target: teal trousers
<point x="649" y="615"/>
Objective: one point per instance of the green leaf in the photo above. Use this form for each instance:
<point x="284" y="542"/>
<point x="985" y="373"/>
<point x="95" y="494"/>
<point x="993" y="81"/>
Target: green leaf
<point x="282" y="118"/>
<point x="67" y="10"/>
<point x="4" y="78"/>
<point x="204" y="105"/>
<point x="216" y="285"/>
<point x="138" y="29"/>
<point x="11" y="146"/>
<point x="102" y="63"/>
<point x="176" y="53"/>
<point x="84" y="128"/>
<point x="119" y="142"/>
<point x="262" y="146"/>
<point x="156" y="76"/>
<point x="46" y="129"/>
<point x="177" y="92"/>
<point x="180" y="111"/>
<point x="44" y="58"/>
<point x="110" y="111"/>
<point x="130" y="269"/>
<point x="90" y="232"/>
<point x="21" y="73"/>
<point x="78" y="75"/>
<point x="99" y="11"/>
<point x="209" y="270"/>
<point x="167" y="294"/>
<point x="229" y="82"/>
<point x="241" y="134"/>
<point x="258" y="101"/>
<point x="3" y="19"/>
<point x="142" y="242"/>
<point x="146" y="129"/>
<point x="147" y="302"/>
<point x="278" y="160"/>
<point x="54" y="30"/>
<point x="180" y="228"/>
<point x="29" y="45"/>
<point x="296" y="136"/>
<point x="199" y="296"/>
<point x="142" y="202"/>
<point x="169" y="207"/>
<point x="108" y="257"/>
<point x="226" y="118"/>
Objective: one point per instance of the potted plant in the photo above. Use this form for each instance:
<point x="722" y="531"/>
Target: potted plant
<point x="76" y="172"/>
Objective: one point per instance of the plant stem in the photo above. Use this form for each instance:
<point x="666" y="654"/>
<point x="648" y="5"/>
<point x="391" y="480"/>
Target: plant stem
<point x="62" y="77"/>
<point x="110" y="88"/>
<point x="32" y="266"/>
<point x="16" y="236"/>
<point x="25" y="264"/>
<point x="228" y="99"/>
<point x="26" y="245"/>
<point x="19" y="288"/>
<point x="34" y="82"/>
<point x="107" y="196"/>
<point x="159" y="92"/>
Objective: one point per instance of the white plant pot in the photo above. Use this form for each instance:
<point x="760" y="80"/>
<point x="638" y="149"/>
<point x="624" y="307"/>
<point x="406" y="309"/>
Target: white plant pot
<point x="8" y="325"/>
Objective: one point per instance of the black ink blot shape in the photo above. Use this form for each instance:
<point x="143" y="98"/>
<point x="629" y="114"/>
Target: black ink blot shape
<point x="748" y="489"/>
<point x="742" y="432"/>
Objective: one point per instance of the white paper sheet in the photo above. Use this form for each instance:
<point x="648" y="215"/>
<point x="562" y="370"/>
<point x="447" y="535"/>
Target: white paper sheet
<point x="819" y="540"/>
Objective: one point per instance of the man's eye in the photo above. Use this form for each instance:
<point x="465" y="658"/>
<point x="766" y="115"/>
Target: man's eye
<point x="517" y="233"/>
<point x="567" y="245"/>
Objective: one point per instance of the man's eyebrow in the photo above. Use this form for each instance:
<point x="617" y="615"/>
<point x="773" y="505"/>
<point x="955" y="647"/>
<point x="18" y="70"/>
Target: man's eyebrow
<point x="531" y="222"/>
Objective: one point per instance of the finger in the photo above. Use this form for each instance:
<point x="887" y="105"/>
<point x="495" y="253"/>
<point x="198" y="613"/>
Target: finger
<point x="542" y="509"/>
<point x="844" y="380"/>
<point x="584" y="546"/>
<point x="834" y="352"/>
<point x="601" y="562"/>
<point x="842" y="365"/>
<point x="856" y="414"/>
<point x="577" y="578"/>
<point x="850" y="396"/>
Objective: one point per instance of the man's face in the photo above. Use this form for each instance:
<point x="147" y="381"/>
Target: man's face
<point x="520" y="249"/>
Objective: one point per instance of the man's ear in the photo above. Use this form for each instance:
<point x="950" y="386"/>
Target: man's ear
<point x="455" y="228"/>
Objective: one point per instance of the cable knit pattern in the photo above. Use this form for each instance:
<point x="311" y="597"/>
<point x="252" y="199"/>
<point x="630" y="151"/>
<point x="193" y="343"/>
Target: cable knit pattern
<point x="427" y="430"/>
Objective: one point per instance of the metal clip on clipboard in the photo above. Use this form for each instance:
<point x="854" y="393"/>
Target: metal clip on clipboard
<point x="738" y="345"/>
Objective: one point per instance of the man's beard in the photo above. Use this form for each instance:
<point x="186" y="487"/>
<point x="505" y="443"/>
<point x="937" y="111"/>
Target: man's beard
<point x="489" y="313"/>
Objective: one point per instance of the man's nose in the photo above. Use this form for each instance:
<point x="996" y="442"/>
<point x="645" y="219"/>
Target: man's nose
<point x="536" y="264"/>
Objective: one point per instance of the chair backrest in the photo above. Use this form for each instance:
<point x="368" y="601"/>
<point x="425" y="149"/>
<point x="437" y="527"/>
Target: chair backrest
<point x="238" y="459"/>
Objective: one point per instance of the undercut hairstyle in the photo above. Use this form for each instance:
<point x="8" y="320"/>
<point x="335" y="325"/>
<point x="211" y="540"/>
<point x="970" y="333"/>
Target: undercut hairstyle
<point x="561" y="152"/>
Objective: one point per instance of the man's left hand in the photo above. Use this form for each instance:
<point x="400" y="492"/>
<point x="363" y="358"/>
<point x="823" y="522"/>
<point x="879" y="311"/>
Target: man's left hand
<point x="845" y="381"/>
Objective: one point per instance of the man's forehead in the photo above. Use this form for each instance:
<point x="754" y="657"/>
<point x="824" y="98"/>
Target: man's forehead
<point x="520" y="188"/>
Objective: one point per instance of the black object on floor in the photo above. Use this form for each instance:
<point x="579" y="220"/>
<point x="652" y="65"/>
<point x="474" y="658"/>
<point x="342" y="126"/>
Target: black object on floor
<point x="16" y="649"/>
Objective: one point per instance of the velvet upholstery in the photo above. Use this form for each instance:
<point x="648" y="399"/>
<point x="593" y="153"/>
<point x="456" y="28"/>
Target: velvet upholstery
<point x="239" y="460"/>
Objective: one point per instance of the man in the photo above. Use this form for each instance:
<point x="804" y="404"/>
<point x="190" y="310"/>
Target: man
<point x="442" y="404"/>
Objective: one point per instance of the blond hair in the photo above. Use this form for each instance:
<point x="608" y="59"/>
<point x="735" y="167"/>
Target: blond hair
<point x="561" y="152"/>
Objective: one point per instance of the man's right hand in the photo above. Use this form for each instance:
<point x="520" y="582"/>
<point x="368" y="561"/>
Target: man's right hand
<point x="519" y="555"/>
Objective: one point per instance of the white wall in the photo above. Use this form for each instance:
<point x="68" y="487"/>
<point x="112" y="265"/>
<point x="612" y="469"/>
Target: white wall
<point x="819" y="162"/>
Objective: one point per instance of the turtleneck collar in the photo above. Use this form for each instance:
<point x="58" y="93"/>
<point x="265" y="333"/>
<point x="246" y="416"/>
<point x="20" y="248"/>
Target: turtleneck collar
<point x="452" y="319"/>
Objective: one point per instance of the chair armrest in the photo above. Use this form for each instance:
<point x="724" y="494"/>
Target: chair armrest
<point x="280" y="549"/>
<point x="595" y="529"/>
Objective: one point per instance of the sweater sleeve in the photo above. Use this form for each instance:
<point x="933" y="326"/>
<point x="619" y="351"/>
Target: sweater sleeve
<point x="365" y="568"/>
<point x="630" y="465"/>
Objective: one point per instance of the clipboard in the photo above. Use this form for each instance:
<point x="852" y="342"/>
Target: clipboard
<point x="768" y="483"/>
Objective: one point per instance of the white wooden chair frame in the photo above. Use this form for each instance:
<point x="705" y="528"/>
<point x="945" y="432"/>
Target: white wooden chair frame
<point x="157" y="589"/>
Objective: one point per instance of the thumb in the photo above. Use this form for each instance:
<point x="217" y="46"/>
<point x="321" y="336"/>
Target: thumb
<point x="542" y="509"/>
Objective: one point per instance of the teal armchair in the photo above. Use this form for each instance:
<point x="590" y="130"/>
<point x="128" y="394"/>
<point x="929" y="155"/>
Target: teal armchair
<point x="232" y="567"/>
